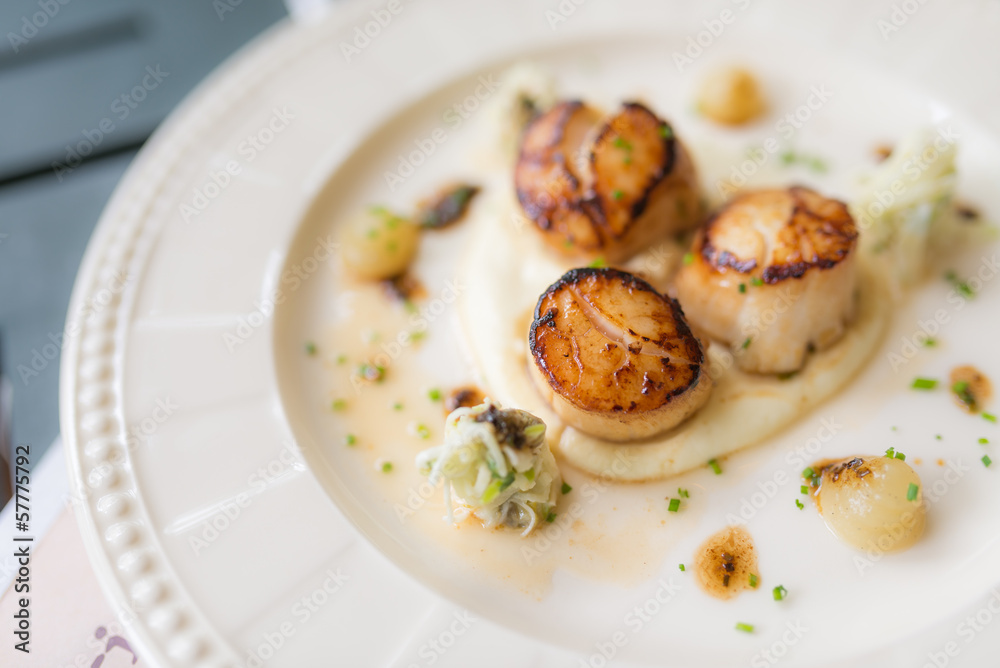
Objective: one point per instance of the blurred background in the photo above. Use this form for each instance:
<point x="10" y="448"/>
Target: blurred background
<point x="83" y="83"/>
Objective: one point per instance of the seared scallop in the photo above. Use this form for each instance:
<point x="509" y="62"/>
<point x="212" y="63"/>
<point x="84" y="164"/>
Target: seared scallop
<point x="614" y="357"/>
<point x="773" y="274"/>
<point x="605" y="187"/>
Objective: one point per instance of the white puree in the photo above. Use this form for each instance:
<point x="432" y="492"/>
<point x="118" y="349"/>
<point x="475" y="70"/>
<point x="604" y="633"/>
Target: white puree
<point x="507" y="270"/>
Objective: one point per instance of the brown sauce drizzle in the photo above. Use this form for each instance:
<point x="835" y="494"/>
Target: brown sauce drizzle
<point x="466" y="396"/>
<point x="970" y="388"/>
<point x="724" y="563"/>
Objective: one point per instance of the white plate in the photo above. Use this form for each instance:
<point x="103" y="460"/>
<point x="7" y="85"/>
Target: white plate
<point x="183" y="398"/>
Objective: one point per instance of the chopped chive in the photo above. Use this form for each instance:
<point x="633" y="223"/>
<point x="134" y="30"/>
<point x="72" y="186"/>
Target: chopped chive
<point x="350" y="439"/>
<point x="674" y="506"/>
<point x="989" y="417"/>
<point x="598" y="263"/>
<point x="808" y="473"/>
<point x="622" y="143"/>
<point x="666" y="131"/>
<point x="338" y="404"/>
<point x="551" y="517"/>
<point x="341" y="359"/>
<point x="756" y="282"/>
<point x="961" y="390"/>
<point x="900" y="456"/>
<point x="310" y="348"/>
<point x="397" y="406"/>
<point x="753" y="581"/>
<point x="683" y="493"/>
<point x="743" y="288"/>
<point x="924" y="384"/>
<point x="930" y="343"/>
<point x="434" y="394"/>
<point x="890" y="453"/>
<point x="386" y="467"/>
<point x="374" y="373"/>
<point x="715" y="466"/>
<point x="986" y="460"/>
<point x="530" y="475"/>
<point x="798" y="504"/>
<point x="804" y="489"/>
<point x="937" y="436"/>
<point x="566" y="489"/>
<point x="422" y="430"/>
<point x="779" y="593"/>
<point x="746" y="344"/>
<point x="984" y="441"/>
<point x="688" y="257"/>
<point x="680" y="566"/>
<point x="911" y="492"/>
<point x="746" y="628"/>
<point x="617" y="194"/>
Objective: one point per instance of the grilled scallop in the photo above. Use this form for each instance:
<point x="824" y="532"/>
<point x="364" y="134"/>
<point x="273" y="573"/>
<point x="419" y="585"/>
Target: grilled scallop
<point x="614" y="357"/>
<point x="608" y="187"/>
<point x="773" y="275"/>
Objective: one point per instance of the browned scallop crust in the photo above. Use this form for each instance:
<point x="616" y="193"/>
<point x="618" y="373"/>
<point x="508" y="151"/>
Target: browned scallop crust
<point x="814" y="231"/>
<point x="614" y="357"/>
<point x="608" y="187"/>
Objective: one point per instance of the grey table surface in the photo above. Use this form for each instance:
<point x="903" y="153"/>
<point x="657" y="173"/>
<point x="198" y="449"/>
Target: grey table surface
<point x="82" y="84"/>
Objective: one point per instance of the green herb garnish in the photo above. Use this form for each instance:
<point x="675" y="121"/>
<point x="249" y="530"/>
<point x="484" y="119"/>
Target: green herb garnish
<point x="714" y="464"/>
<point x="746" y="628"/>
<point x="924" y="384"/>
<point x="911" y="492"/>
<point x="566" y="489"/>
<point x="674" y="505"/>
<point x="779" y="593"/>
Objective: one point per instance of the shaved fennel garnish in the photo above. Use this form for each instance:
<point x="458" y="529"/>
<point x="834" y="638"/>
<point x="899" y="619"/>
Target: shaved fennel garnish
<point x="495" y="463"/>
<point x="900" y="210"/>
